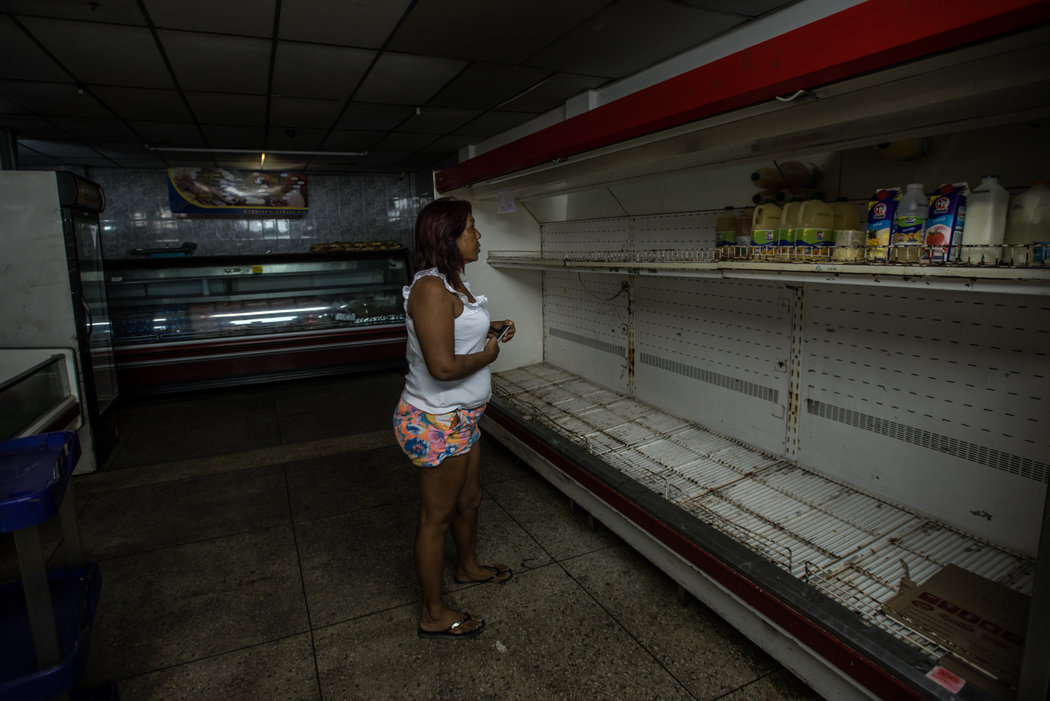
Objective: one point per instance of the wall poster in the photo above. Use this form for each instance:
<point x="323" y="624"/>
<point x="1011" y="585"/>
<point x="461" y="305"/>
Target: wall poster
<point x="236" y="192"/>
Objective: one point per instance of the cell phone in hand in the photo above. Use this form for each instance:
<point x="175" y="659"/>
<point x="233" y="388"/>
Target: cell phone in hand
<point x="502" y="332"/>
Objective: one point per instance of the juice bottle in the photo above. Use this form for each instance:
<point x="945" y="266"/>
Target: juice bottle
<point x="743" y="227"/>
<point x="725" y="227"/>
<point x="764" y="224"/>
<point x="909" y="225"/>
<point x="985" y="222"/>
<point x="1028" y="222"/>
<point x="817" y="224"/>
<point x="789" y="223"/>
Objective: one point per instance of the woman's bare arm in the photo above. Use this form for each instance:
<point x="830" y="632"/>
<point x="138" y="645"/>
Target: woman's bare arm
<point x="433" y="311"/>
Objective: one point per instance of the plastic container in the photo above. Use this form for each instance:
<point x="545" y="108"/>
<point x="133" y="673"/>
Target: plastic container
<point x="764" y="224"/>
<point x="849" y="245"/>
<point x="816" y="224"/>
<point x="909" y="225"/>
<point x="725" y="227"/>
<point x="846" y="215"/>
<point x="790" y="221"/>
<point x="985" y="227"/>
<point x="743" y="226"/>
<point x="1028" y="222"/>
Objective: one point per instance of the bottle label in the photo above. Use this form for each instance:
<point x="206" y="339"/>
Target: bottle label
<point x="816" y="237"/>
<point x="763" y="237"/>
<point x="908" y="231"/>
<point x="725" y="238"/>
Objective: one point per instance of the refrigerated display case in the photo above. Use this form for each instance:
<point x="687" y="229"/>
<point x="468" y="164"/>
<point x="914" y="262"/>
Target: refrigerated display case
<point x="793" y="442"/>
<point x="189" y="323"/>
<point x="54" y="291"/>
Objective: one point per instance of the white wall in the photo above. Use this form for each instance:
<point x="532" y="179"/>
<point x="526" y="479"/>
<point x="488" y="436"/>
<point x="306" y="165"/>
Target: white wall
<point x="513" y="294"/>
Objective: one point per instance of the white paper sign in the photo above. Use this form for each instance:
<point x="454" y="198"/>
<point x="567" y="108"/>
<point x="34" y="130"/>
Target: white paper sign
<point x="505" y="202"/>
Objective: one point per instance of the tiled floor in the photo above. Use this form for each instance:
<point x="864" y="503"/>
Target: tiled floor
<point x="256" y="544"/>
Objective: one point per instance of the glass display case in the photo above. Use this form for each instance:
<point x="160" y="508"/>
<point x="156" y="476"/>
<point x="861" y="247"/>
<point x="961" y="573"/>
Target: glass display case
<point x="36" y="392"/>
<point x="185" y="323"/>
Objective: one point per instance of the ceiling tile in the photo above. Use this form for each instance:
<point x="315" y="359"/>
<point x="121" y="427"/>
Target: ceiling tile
<point x="29" y="157"/>
<point x="89" y="129"/>
<point x="504" y="31"/>
<point x="351" y="140"/>
<point x="309" y="70"/>
<point x="242" y="17"/>
<point x="8" y="107"/>
<point x="218" y="63"/>
<point x="167" y="134"/>
<point x="103" y="53"/>
<point x="553" y="92"/>
<point x="301" y="139"/>
<point x="364" y="23"/>
<point x="384" y="158"/>
<point x="112" y="11"/>
<point x="143" y="103"/>
<point x="224" y="136"/>
<point x="300" y="112"/>
<point x="126" y="151"/>
<point x="435" y="120"/>
<point x="60" y="148"/>
<point x="29" y="127"/>
<point x="221" y="108"/>
<point x="52" y="99"/>
<point x="407" y="80"/>
<point x="483" y="86"/>
<point x="371" y="116"/>
<point x="405" y="142"/>
<point x="492" y="123"/>
<point x="654" y="31"/>
<point x="21" y="58"/>
<point x="450" y="144"/>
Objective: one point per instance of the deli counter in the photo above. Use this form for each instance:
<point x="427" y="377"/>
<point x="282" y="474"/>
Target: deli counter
<point x="191" y="323"/>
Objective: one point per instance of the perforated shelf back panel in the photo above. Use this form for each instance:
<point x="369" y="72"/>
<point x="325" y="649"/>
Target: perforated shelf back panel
<point x="937" y="400"/>
<point x="716" y="352"/>
<point x="585" y="326"/>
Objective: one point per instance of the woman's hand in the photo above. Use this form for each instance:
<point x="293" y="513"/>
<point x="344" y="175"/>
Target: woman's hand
<point x="496" y="326"/>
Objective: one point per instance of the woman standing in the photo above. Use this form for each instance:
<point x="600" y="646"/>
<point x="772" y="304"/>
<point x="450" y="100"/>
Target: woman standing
<point x="451" y="342"/>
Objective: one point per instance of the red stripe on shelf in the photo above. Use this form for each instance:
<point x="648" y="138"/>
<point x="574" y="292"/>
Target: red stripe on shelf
<point x="866" y="672"/>
<point x="869" y="36"/>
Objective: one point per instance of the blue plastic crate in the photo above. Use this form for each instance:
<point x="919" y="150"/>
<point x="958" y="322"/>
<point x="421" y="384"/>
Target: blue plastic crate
<point x="74" y="596"/>
<point x="34" y="472"/>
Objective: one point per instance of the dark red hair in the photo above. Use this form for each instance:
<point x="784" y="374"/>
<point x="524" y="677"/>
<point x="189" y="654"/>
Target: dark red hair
<point x="438" y="226"/>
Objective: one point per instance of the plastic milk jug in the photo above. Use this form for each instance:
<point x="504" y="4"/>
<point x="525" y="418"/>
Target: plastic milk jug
<point x="1028" y="222"/>
<point x="725" y="227"/>
<point x="817" y="224"/>
<point x="790" y="219"/>
<point x="764" y="224"/>
<point x="985" y="222"/>
<point x="909" y="225"/>
<point x="846" y="215"/>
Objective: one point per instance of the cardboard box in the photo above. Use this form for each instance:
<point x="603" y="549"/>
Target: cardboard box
<point x="980" y="621"/>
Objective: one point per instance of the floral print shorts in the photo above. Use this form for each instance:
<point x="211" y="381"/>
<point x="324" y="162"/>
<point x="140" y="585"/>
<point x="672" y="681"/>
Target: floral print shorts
<point x="427" y="439"/>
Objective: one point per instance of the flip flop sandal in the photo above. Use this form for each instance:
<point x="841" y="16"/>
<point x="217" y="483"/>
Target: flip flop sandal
<point x="450" y="632"/>
<point x="498" y="573"/>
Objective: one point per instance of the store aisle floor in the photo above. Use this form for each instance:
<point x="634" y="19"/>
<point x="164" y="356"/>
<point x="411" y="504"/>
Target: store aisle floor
<point x="256" y="543"/>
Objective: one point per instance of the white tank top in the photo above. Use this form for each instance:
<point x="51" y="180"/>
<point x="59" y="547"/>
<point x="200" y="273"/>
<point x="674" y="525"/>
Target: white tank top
<point x="434" y="396"/>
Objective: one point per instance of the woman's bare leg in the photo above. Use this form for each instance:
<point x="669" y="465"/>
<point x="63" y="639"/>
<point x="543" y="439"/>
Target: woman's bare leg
<point x="465" y="523"/>
<point x="440" y="489"/>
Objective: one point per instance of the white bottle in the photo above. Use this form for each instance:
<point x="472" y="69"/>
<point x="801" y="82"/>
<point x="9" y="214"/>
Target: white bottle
<point x="985" y="225"/>
<point x="909" y="225"/>
<point x="1028" y="222"/>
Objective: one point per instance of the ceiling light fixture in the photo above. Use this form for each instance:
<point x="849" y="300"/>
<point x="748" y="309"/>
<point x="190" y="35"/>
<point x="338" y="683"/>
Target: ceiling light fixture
<point x="205" y="149"/>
